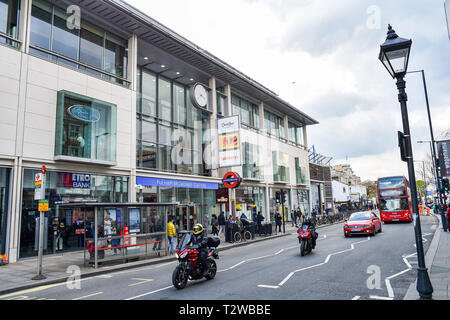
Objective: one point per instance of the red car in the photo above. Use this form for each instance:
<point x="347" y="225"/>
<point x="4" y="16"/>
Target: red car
<point x="362" y="223"/>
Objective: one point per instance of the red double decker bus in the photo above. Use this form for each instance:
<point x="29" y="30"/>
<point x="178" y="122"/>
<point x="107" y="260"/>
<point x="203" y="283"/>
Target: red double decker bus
<point x="394" y="199"/>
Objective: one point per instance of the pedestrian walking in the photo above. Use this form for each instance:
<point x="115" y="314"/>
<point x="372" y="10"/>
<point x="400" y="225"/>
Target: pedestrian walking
<point x="206" y="223"/>
<point x="221" y="223"/>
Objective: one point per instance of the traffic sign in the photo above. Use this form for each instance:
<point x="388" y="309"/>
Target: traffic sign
<point x="231" y="180"/>
<point x="43" y="205"/>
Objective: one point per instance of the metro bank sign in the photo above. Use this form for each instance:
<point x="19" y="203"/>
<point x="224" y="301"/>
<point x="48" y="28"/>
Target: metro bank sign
<point x="74" y="180"/>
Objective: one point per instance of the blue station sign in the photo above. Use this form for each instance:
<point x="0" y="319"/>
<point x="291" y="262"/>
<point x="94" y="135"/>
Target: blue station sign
<point x="158" y="182"/>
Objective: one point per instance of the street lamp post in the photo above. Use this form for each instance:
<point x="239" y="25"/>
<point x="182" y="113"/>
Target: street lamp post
<point x="394" y="54"/>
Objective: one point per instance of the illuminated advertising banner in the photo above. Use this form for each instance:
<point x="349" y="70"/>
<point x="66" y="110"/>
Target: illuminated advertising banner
<point x="229" y="141"/>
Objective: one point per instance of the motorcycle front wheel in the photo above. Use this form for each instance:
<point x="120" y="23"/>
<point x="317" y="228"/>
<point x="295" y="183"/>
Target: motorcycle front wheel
<point x="179" y="278"/>
<point x="212" y="269"/>
<point x="302" y="247"/>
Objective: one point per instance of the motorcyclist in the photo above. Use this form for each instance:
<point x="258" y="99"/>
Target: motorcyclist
<point x="200" y="239"/>
<point x="308" y="222"/>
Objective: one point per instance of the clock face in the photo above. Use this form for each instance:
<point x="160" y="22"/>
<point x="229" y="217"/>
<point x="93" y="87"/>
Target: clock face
<point x="200" y="95"/>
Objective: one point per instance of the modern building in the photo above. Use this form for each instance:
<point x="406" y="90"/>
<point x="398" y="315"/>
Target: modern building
<point x="321" y="187"/>
<point x="120" y="108"/>
<point x="344" y="174"/>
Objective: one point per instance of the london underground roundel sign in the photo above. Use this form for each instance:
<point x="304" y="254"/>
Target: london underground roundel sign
<point x="231" y="180"/>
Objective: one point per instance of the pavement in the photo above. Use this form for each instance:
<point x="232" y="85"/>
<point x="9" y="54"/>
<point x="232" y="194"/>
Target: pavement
<point x="59" y="268"/>
<point x="437" y="261"/>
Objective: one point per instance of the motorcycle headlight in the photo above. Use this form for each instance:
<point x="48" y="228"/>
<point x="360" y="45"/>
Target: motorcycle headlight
<point x="176" y="255"/>
<point x="183" y="255"/>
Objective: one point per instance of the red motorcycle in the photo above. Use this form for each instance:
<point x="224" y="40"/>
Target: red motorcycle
<point x="189" y="268"/>
<point x="305" y="239"/>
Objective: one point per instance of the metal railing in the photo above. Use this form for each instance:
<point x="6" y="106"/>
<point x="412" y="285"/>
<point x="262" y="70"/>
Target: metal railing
<point x="10" y="38"/>
<point x="125" y="82"/>
<point x="125" y="247"/>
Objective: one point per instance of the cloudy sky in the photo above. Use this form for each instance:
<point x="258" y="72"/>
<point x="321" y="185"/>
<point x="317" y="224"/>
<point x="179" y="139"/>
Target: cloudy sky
<point x="322" y="57"/>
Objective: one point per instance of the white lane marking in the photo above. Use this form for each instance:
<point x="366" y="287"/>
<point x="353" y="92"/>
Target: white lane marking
<point x="267" y="286"/>
<point x="319" y="264"/>
<point x="140" y="282"/>
<point x="356" y="298"/>
<point x="148" y="293"/>
<point x="87" y="296"/>
<point x="388" y="282"/>
<point x="261" y="257"/>
<point x="381" y="298"/>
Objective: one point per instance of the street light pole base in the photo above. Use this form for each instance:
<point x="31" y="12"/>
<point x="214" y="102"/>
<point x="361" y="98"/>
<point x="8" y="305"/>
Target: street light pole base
<point x="424" y="286"/>
<point x="39" y="277"/>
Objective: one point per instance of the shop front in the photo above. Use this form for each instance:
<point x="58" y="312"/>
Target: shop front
<point x="65" y="228"/>
<point x="301" y="200"/>
<point x="196" y="199"/>
<point x="275" y="204"/>
<point x="5" y="182"/>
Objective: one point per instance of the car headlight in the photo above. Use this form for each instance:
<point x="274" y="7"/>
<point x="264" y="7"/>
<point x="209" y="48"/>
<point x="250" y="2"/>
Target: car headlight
<point x="367" y="226"/>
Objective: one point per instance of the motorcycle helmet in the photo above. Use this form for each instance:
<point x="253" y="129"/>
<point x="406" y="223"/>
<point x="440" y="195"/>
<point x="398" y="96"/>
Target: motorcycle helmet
<point x="198" y="228"/>
<point x="307" y="221"/>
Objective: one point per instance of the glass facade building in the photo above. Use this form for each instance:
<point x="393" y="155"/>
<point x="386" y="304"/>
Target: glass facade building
<point x="107" y="102"/>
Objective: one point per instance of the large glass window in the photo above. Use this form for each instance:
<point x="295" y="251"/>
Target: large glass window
<point x="148" y="94"/>
<point x="291" y="132"/>
<point x="172" y="127"/>
<point x="179" y="105"/>
<point x="251" y="167"/>
<point x="4" y="203"/>
<point x="164" y="100"/>
<point x="90" y="44"/>
<point x="41" y="25"/>
<point x="280" y="162"/>
<point x="9" y="20"/>
<point x="64" y="41"/>
<point x="85" y="128"/>
<point x="72" y="223"/>
<point x="249" y="112"/>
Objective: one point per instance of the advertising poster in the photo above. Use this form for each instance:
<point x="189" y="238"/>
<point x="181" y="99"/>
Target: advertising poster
<point x="135" y="220"/>
<point x="229" y="141"/>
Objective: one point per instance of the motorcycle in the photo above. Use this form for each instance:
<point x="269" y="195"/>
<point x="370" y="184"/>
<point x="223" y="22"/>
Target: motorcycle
<point x="189" y="268"/>
<point x="305" y="239"/>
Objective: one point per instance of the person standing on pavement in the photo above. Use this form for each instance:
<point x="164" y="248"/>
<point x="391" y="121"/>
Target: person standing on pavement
<point x="448" y="216"/>
<point x="255" y="222"/>
<point x="293" y="217"/>
<point x="278" y="221"/>
<point x="259" y="220"/>
<point x="171" y="233"/>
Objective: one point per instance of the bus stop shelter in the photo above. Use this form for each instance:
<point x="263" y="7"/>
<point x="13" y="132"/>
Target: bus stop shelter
<point x="120" y="231"/>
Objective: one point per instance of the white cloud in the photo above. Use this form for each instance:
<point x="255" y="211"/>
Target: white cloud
<point x="328" y="50"/>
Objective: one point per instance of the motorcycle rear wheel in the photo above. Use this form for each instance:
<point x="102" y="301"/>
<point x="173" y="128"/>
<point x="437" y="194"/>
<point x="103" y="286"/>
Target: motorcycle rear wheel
<point x="179" y="278"/>
<point x="212" y="269"/>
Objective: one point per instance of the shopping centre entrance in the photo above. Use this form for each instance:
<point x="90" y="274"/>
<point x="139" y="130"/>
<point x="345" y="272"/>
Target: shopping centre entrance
<point x="187" y="215"/>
